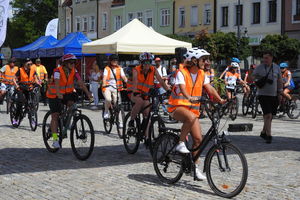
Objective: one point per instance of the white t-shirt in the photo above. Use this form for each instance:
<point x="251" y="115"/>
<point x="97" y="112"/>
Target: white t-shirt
<point x="94" y="77"/>
<point x="180" y="80"/>
<point x="111" y="79"/>
<point x="162" y="72"/>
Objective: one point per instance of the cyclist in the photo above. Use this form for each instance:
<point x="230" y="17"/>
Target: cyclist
<point x="190" y="81"/>
<point x="143" y="80"/>
<point x="8" y="75"/>
<point x="43" y="77"/>
<point x="209" y="72"/>
<point x="61" y="90"/>
<point x="232" y="77"/>
<point x="112" y="84"/>
<point x="236" y="60"/>
<point x="287" y="80"/>
<point x="26" y="77"/>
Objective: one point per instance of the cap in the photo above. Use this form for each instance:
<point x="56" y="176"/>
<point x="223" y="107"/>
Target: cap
<point x="157" y="59"/>
<point x="38" y="60"/>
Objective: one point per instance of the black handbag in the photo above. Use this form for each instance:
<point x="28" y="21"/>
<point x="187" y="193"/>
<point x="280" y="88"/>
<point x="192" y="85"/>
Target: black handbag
<point x="262" y="81"/>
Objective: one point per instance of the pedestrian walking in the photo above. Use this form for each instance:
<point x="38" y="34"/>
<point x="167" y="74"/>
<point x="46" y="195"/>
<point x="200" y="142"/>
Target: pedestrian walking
<point x="94" y="83"/>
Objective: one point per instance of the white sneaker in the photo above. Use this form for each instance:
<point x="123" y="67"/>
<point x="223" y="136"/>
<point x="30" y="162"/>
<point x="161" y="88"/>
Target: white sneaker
<point x="94" y="107"/>
<point x="120" y="125"/>
<point x="199" y="175"/>
<point x="182" y="148"/>
<point x="106" y="115"/>
<point x="56" y="145"/>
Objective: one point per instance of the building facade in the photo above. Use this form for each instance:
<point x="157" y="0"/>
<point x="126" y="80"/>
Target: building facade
<point x="257" y="18"/>
<point x="193" y="16"/>
<point x="104" y="16"/>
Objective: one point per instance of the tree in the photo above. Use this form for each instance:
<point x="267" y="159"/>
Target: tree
<point x="30" y="21"/>
<point x="282" y="47"/>
<point x="180" y="37"/>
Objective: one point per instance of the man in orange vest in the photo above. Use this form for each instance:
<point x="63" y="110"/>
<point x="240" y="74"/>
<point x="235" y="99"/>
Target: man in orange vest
<point x="113" y="76"/>
<point x="143" y="81"/>
<point x="7" y="74"/>
<point x="62" y="88"/>
<point x="43" y="76"/>
<point x="189" y="83"/>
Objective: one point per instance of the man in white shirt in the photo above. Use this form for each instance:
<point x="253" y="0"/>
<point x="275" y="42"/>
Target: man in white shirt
<point x="163" y="73"/>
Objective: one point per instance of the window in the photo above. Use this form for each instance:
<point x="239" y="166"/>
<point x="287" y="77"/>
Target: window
<point x="207" y="14"/>
<point x="85" y="24"/>
<point x="181" y="17"/>
<point x="130" y="17"/>
<point x="83" y="1"/>
<point x="149" y="18"/>
<point x="118" y="22"/>
<point x="78" y="23"/>
<point x="272" y="11"/>
<point x="104" y="21"/>
<point x="194" y="15"/>
<point x="68" y="25"/>
<point x="139" y="15"/>
<point x="77" y="1"/>
<point x="165" y="17"/>
<point x="256" y="13"/>
<point x="297" y="7"/>
<point x="92" y="23"/>
<point x="225" y="16"/>
<point x="239" y="15"/>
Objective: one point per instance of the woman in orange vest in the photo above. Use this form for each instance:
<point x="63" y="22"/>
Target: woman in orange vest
<point x="189" y="83"/>
<point x="143" y="81"/>
<point x="113" y="76"/>
<point x="62" y="88"/>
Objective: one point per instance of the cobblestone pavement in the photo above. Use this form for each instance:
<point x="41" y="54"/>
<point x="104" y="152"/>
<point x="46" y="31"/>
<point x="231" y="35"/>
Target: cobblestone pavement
<point x="29" y="171"/>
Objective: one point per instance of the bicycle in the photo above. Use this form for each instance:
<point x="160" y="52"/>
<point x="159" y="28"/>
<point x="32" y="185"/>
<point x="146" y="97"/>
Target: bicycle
<point x="153" y="122"/>
<point x="81" y="130"/>
<point x="8" y="97"/>
<point x="114" y="111"/>
<point x="217" y="161"/>
<point x="290" y="107"/>
<point x="250" y="101"/>
<point x="232" y="105"/>
<point x="17" y="104"/>
<point x="36" y="90"/>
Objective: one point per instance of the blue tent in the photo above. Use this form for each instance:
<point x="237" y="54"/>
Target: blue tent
<point x="1" y="56"/>
<point x="32" y="50"/>
<point x="72" y="43"/>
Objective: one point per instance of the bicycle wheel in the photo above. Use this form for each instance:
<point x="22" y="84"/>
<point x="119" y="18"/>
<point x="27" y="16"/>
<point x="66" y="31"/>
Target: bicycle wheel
<point x="118" y="122"/>
<point x="293" y="110"/>
<point x="245" y="104"/>
<point x="82" y="137"/>
<point x="8" y="102"/>
<point x="234" y="108"/>
<point x="226" y="170"/>
<point x="13" y="115"/>
<point x="47" y="133"/>
<point x="33" y="120"/>
<point x="254" y="107"/>
<point x="154" y="132"/>
<point x="167" y="161"/>
<point x="107" y="123"/>
<point x="131" y="136"/>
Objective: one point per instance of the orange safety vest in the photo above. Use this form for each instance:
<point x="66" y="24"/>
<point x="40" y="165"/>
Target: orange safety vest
<point x="42" y="73"/>
<point x="129" y="85"/>
<point x="25" y="79"/>
<point x="230" y="74"/>
<point x="145" y="84"/>
<point x="9" y="74"/>
<point x="193" y="89"/>
<point x="118" y="77"/>
<point x="66" y="84"/>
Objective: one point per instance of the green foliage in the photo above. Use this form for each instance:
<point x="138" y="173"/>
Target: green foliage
<point x="180" y="37"/>
<point x="282" y="47"/>
<point x="30" y="21"/>
<point x="219" y="85"/>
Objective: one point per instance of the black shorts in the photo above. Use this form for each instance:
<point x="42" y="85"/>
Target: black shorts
<point x="268" y="104"/>
<point x="55" y="105"/>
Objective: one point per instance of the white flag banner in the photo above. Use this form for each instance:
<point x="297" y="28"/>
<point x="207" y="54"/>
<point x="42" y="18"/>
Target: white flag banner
<point x="3" y="19"/>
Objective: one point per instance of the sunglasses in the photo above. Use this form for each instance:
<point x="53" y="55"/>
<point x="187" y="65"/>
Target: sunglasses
<point x="205" y="59"/>
<point x="147" y="62"/>
<point x="29" y="64"/>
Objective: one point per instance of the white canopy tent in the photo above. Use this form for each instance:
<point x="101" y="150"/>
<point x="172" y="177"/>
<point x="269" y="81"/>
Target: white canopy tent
<point x="134" y="38"/>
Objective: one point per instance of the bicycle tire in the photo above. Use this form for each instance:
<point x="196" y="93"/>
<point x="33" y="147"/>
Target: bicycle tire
<point x="215" y="150"/>
<point x="294" y="106"/>
<point x="12" y="114"/>
<point x="163" y="158"/>
<point x="134" y="133"/>
<point x="47" y="134"/>
<point x="8" y="102"/>
<point x="120" y="132"/>
<point x="245" y="104"/>
<point x="107" y="123"/>
<point x="82" y="137"/>
<point x="153" y="137"/>
<point x="32" y="115"/>
<point x="254" y="108"/>
<point x="234" y="109"/>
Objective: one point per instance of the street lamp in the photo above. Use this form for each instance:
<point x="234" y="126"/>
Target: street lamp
<point x="238" y="25"/>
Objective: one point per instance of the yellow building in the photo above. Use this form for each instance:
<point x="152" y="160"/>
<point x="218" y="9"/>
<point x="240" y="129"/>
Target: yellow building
<point x="191" y="16"/>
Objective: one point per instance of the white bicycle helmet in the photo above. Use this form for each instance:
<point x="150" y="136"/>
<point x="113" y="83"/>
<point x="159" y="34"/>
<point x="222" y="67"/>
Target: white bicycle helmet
<point x="146" y="56"/>
<point x="234" y="64"/>
<point x="195" y="53"/>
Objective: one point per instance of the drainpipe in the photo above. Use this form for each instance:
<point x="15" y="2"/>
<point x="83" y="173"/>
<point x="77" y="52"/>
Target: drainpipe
<point x="215" y="16"/>
<point x="174" y="10"/>
<point x="283" y="17"/>
<point x="97" y="22"/>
